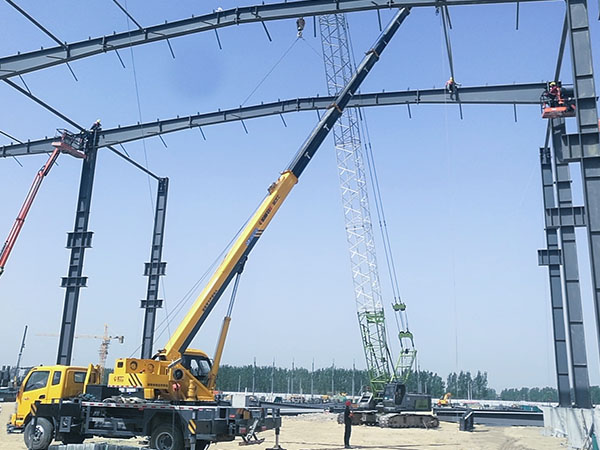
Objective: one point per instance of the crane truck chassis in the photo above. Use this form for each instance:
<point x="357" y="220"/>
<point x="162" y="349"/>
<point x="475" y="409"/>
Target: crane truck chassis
<point x="168" y="425"/>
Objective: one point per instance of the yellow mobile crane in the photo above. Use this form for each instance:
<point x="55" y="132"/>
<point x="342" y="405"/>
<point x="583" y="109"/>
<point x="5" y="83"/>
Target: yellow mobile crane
<point x="178" y="375"/>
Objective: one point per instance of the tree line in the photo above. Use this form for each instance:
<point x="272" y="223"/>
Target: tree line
<point x="324" y="381"/>
<point x="334" y="381"/>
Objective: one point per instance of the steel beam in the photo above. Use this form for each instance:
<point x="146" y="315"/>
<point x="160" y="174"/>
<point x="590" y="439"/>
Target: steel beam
<point x="31" y="61"/>
<point x="154" y="269"/>
<point x="552" y="257"/>
<point x="77" y="241"/>
<point x="521" y="94"/>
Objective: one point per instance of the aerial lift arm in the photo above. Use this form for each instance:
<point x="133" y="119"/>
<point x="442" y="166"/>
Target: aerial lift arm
<point x="60" y="146"/>
<point x="277" y="193"/>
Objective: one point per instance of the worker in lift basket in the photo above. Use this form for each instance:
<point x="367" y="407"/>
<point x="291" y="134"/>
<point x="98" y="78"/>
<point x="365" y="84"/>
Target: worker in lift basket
<point x="554" y="94"/>
<point x="347" y="424"/>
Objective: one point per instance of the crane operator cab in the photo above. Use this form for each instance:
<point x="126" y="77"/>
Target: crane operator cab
<point x="198" y="364"/>
<point x="557" y="101"/>
<point x="395" y="398"/>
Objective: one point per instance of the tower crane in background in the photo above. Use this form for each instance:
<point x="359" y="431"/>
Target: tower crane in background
<point x="103" y="350"/>
<point x="67" y="143"/>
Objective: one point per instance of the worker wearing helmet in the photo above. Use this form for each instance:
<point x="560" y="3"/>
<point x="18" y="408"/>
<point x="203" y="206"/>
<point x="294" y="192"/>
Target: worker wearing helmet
<point x="452" y="87"/>
<point x="347" y="424"/>
<point x="554" y="95"/>
<point x="300" y="23"/>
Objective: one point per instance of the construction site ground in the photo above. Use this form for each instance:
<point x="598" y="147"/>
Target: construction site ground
<point x="321" y="431"/>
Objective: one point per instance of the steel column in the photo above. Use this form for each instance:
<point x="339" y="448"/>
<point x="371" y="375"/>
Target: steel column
<point x="154" y="269"/>
<point x="552" y="257"/>
<point x="586" y="142"/>
<point x="570" y="273"/>
<point x="77" y="241"/>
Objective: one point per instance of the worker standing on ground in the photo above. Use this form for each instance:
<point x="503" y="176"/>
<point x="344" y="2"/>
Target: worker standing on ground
<point x="347" y="425"/>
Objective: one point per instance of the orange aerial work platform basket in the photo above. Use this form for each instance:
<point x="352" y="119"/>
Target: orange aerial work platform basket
<point x="69" y="143"/>
<point x="555" y="112"/>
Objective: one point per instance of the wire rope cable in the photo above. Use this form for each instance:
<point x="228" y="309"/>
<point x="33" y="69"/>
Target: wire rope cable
<point x="444" y="37"/>
<point x="139" y="108"/>
<point x="279" y="61"/>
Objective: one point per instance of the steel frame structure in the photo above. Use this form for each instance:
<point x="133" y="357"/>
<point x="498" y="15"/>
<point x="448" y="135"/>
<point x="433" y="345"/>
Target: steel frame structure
<point x="582" y="147"/>
<point x="512" y="94"/>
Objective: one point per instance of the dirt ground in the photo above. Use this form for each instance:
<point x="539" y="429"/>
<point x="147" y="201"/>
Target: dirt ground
<point x="321" y="431"/>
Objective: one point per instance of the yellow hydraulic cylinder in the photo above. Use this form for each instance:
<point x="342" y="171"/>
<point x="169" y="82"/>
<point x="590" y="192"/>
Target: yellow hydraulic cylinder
<point x="212" y="376"/>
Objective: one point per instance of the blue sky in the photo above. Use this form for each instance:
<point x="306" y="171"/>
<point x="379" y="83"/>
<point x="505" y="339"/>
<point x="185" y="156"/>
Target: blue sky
<point x="462" y="197"/>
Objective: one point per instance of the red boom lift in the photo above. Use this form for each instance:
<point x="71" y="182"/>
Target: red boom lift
<point x="67" y="143"/>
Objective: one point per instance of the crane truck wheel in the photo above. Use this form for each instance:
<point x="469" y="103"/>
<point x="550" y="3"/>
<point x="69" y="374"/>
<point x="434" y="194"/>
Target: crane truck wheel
<point x="166" y="436"/>
<point x="38" y="437"/>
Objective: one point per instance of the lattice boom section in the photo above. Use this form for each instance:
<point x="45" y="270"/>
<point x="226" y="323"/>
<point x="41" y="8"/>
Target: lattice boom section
<point x="339" y="68"/>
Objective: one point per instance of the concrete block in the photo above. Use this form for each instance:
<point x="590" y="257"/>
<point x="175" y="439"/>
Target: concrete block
<point x="572" y="423"/>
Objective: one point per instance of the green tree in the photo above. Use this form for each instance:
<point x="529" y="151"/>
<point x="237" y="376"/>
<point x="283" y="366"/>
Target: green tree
<point x="452" y="384"/>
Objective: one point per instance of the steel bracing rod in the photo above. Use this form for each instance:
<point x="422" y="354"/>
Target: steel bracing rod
<point x="31" y="61"/>
<point x="561" y="49"/>
<point x="35" y="22"/>
<point x="133" y="162"/>
<point x="524" y="94"/>
<point x="76" y="125"/>
<point x="551" y="257"/>
<point x="448" y="44"/>
<point x="570" y="275"/>
<point x="127" y="14"/>
<point x="44" y="105"/>
<point x="155" y="269"/>
<point x="559" y="60"/>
